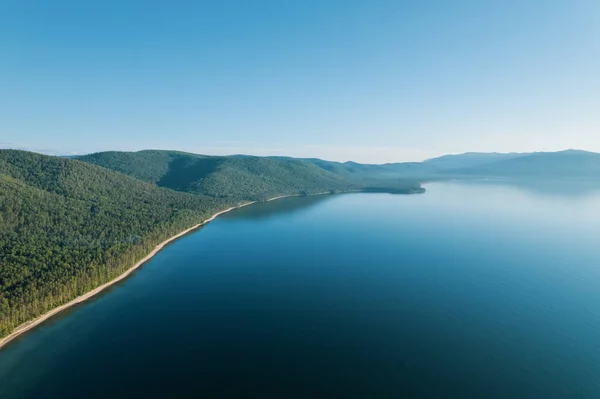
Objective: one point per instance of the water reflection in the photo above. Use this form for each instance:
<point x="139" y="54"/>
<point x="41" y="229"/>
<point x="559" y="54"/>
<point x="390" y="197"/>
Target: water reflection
<point x="271" y="209"/>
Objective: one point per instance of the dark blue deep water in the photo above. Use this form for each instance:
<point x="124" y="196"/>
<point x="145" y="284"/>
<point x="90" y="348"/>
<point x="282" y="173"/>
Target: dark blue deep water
<point x="467" y="291"/>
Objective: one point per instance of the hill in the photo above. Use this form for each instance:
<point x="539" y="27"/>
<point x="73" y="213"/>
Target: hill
<point x="569" y="164"/>
<point x="148" y="165"/>
<point x="248" y="178"/>
<point x="401" y="175"/>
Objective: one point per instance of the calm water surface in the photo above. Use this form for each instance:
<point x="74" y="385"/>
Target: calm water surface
<point x="467" y="291"/>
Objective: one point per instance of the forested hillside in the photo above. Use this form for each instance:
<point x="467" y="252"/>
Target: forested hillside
<point x="395" y="174"/>
<point x="245" y="176"/>
<point x="67" y="226"/>
<point x="147" y="165"/>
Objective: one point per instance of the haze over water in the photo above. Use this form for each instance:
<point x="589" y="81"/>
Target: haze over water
<point x="469" y="290"/>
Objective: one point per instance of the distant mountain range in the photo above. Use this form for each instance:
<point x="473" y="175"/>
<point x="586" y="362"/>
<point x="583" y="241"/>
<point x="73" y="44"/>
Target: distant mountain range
<point x="573" y="164"/>
<point x="198" y="173"/>
<point x="555" y="165"/>
<point x="470" y="159"/>
<point x="547" y="165"/>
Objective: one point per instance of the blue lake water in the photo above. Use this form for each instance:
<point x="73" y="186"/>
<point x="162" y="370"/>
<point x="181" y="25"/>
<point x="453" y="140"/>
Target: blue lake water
<point x="467" y="291"/>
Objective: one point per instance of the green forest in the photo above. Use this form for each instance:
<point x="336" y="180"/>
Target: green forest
<point x="68" y="226"/>
<point x="243" y="175"/>
<point x="240" y="178"/>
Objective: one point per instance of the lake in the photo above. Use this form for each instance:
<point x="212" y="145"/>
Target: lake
<point x="466" y="291"/>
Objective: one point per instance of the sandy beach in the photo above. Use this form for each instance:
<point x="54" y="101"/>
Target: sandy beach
<point x="295" y="195"/>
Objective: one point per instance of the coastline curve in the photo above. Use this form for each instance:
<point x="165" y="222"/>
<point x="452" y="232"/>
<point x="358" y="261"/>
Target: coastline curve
<point x="23" y="328"/>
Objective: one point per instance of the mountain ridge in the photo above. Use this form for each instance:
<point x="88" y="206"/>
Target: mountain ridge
<point x="391" y="175"/>
<point x="561" y="164"/>
<point x="222" y="176"/>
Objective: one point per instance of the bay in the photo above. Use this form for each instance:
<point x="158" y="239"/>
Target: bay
<point x="469" y="290"/>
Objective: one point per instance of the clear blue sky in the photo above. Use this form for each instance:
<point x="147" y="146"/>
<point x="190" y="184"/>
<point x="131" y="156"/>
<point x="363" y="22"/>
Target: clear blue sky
<point x="368" y="80"/>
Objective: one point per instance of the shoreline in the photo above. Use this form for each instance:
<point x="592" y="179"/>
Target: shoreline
<point x="297" y="195"/>
<point x="28" y="325"/>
